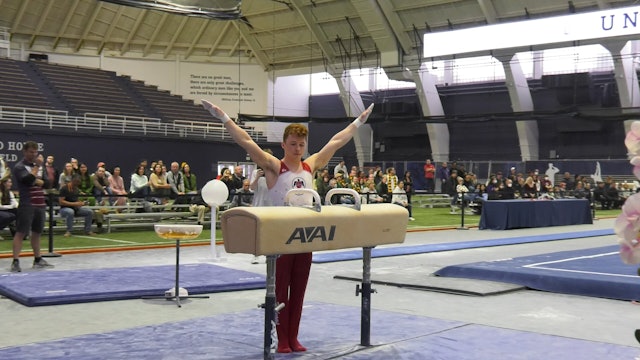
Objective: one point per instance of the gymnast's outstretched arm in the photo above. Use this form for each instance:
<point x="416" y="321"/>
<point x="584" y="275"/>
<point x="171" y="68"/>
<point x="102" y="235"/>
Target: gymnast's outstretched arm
<point x="322" y="157"/>
<point x="242" y="138"/>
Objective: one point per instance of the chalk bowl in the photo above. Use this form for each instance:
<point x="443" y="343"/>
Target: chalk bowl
<point x="178" y="231"/>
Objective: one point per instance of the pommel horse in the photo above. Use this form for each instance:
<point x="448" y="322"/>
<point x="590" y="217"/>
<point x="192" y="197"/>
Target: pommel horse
<point x="276" y="230"/>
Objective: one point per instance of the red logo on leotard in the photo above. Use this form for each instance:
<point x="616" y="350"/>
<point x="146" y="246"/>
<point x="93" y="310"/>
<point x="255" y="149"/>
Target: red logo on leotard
<point x="298" y="183"/>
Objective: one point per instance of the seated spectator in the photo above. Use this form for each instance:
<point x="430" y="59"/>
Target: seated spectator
<point x="381" y="188"/>
<point x="199" y="207"/>
<point x="400" y="198"/>
<point x="190" y="180"/>
<point x="506" y="191"/>
<point x="613" y="195"/>
<point x="116" y="184"/>
<point x="244" y="196"/>
<point x="580" y="192"/>
<point x="529" y="189"/>
<point x="85" y="188"/>
<point x="65" y="175"/>
<point x="176" y="182"/>
<point x="71" y="206"/>
<point x="159" y="188"/>
<point x="8" y="205"/>
<point x="139" y="183"/>
<point x="370" y="194"/>
<point x="600" y="195"/>
<point x="227" y="178"/>
<point x="100" y="185"/>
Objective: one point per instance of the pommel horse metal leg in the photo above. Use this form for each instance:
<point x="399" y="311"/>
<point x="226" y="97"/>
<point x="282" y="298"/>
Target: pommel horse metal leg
<point x="270" y="311"/>
<point x="365" y="309"/>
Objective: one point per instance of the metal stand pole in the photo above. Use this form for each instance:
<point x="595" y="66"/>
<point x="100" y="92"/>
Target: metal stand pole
<point x="51" y="253"/>
<point x="270" y="336"/>
<point x="365" y="310"/>
<point x="462" y="227"/>
<point x="176" y="289"/>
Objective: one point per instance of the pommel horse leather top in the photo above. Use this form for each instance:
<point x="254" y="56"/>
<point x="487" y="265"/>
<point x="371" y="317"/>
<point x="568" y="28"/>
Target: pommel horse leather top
<point x="277" y="230"/>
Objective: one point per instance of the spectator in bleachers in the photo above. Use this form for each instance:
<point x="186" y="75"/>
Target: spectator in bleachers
<point x="100" y="185"/>
<point x="101" y="164"/>
<point x="400" y="198"/>
<point x="71" y="206"/>
<point x="378" y="175"/>
<point x="370" y="194"/>
<point x="175" y="181"/>
<point x="150" y="170"/>
<point x="408" y="185"/>
<point x="322" y="186"/>
<point x="65" y="175"/>
<point x="139" y="187"/>
<point x="512" y="174"/>
<point x="8" y="205"/>
<point x="190" y="180"/>
<point x="381" y="188"/>
<point x="75" y="165"/>
<point x="580" y="192"/>
<point x="568" y="181"/>
<point x="450" y="187"/>
<point x="86" y="184"/>
<point x="340" y="167"/>
<point x="546" y="186"/>
<point x="506" y="190"/>
<point x="529" y="189"/>
<point x="492" y="183"/>
<point x="429" y="176"/>
<point x="238" y="178"/>
<point x="244" y="195"/>
<point x="116" y="184"/>
<point x="600" y="195"/>
<point x="442" y="176"/>
<point x="227" y="178"/>
<point x="158" y="186"/>
<point x="392" y="180"/>
<point x="613" y="195"/>
<point x="52" y="174"/>
<point x="517" y="186"/>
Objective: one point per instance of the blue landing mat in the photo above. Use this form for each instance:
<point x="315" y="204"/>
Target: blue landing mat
<point x="51" y="287"/>
<point x="329" y="332"/>
<point x="597" y="272"/>
<point x="421" y="249"/>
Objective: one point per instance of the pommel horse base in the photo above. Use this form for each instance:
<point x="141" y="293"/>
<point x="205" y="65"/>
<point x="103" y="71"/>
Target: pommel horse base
<point x="277" y="230"/>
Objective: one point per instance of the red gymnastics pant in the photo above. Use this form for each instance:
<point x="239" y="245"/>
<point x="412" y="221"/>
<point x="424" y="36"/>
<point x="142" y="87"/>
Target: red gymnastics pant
<point x="292" y="275"/>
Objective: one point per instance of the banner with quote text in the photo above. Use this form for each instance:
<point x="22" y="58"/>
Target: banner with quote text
<point x="236" y="90"/>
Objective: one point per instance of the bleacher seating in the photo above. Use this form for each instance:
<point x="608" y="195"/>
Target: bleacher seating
<point x="87" y="90"/>
<point x="80" y="90"/>
<point x="169" y="107"/>
<point x="17" y="90"/>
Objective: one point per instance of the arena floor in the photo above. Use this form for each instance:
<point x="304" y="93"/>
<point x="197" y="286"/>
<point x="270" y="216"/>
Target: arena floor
<point x="599" y="322"/>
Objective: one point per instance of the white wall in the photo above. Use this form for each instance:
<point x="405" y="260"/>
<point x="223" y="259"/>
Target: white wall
<point x="291" y="96"/>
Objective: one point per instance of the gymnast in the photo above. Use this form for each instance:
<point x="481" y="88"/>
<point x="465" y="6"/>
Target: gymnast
<point x="282" y="175"/>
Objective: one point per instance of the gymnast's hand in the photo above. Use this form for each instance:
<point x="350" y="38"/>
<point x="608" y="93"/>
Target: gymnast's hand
<point x="215" y="111"/>
<point x="363" y="117"/>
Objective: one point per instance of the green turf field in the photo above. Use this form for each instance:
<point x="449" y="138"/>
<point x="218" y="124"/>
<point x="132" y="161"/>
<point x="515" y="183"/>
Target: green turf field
<point x="425" y="218"/>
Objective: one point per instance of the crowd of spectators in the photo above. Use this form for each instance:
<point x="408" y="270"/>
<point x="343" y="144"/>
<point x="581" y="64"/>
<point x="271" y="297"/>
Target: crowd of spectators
<point x="463" y="185"/>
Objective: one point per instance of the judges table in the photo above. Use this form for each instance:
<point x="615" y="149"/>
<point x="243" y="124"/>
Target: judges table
<point x="512" y="214"/>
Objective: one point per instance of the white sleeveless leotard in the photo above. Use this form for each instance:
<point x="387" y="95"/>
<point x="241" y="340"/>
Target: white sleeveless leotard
<point x="288" y="180"/>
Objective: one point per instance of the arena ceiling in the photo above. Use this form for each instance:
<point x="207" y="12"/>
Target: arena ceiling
<point x="279" y="35"/>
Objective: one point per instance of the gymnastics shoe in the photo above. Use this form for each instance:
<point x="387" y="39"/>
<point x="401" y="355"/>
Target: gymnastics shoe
<point x="15" y="266"/>
<point x="41" y="264"/>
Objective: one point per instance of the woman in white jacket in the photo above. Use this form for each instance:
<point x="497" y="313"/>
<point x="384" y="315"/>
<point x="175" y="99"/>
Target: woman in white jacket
<point x="400" y="198"/>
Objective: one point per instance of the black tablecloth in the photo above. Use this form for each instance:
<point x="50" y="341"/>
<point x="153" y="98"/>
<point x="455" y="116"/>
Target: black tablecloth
<point x="511" y="214"/>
